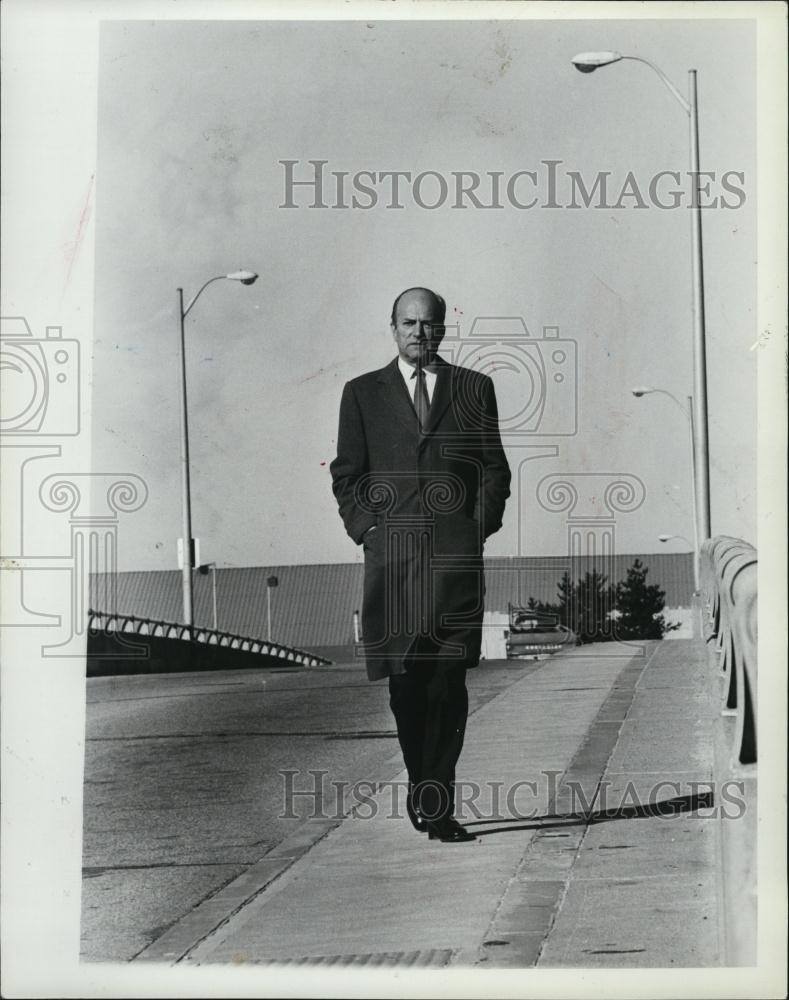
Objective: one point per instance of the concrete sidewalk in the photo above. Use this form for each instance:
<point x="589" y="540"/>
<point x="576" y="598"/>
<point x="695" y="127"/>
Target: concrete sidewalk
<point x="570" y="868"/>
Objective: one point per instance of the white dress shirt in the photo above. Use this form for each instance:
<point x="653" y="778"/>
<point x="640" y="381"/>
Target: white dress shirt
<point x="407" y="371"/>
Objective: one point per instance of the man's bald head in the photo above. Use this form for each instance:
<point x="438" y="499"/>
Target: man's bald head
<point x="440" y="304"/>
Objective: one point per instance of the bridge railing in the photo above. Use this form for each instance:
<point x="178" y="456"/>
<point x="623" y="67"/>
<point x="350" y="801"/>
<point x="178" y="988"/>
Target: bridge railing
<point x="729" y="620"/>
<point x="133" y="625"/>
<point x="729" y="608"/>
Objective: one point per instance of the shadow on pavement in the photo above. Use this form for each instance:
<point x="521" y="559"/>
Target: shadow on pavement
<point x="664" y="807"/>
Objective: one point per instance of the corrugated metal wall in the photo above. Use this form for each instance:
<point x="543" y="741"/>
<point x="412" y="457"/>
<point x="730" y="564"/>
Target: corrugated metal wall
<point x="518" y="578"/>
<point x="313" y="605"/>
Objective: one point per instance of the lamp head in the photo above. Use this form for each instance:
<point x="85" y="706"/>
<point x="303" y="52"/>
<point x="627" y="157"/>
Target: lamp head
<point x="588" y="62"/>
<point x="665" y="538"/>
<point x="641" y="390"/>
<point x="245" y="277"/>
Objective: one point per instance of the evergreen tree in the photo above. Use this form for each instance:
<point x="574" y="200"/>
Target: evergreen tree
<point x="640" y="606"/>
<point x="547" y="615"/>
<point x="586" y="606"/>
<point x="595" y="600"/>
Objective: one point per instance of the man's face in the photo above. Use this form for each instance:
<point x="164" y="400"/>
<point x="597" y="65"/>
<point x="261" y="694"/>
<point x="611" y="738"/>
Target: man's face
<point x="418" y="329"/>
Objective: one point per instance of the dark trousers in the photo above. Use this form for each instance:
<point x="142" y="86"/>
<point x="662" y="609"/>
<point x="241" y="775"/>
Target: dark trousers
<point x="430" y="706"/>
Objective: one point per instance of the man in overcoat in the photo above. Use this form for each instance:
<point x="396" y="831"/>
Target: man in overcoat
<point x="421" y="480"/>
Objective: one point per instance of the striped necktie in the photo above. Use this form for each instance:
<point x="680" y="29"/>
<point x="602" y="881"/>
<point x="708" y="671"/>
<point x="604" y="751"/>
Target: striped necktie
<point x="421" y="398"/>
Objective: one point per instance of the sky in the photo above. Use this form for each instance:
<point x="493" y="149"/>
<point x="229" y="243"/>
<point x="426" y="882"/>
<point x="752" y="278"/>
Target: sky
<point x="193" y="120"/>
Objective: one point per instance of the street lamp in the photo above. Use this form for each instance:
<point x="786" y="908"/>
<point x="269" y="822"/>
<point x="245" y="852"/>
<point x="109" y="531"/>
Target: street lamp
<point x="681" y="538"/>
<point x="588" y="62"/>
<point x="203" y="571"/>
<point x="645" y="390"/>
<point x="246" y="278"/>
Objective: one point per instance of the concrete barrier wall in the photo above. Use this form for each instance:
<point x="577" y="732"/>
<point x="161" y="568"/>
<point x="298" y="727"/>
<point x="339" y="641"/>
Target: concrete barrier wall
<point x="729" y="621"/>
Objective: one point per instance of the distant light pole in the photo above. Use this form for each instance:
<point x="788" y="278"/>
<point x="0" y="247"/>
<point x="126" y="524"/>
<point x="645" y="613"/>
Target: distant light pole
<point x="646" y="390"/>
<point x="246" y="278"/>
<point x="203" y="570"/>
<point x="271" y="582"/>
<point x="588" y="62"/>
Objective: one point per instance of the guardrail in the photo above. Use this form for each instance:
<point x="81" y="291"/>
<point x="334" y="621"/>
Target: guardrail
<point x="729" y="595"/>
<point x="132" y="625"/>
<point x="729" y="621"/>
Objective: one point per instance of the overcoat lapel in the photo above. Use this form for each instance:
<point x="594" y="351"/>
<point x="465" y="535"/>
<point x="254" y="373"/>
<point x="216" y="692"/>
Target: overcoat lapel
<point x="396" y="394"/>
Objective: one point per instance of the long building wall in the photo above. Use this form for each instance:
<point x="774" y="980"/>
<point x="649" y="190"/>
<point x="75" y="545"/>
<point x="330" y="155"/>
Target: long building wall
<point x="314" y="604"/>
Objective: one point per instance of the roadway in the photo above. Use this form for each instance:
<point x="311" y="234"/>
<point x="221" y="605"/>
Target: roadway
<point x="184" y="788"/>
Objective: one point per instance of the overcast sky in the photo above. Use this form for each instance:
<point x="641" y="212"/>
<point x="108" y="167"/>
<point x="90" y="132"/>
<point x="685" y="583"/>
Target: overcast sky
<point x="192" y="121"/>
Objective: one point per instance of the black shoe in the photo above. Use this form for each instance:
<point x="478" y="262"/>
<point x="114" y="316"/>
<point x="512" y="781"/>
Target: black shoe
<point x="448" y="831"/>
<point x="416" y="820"/>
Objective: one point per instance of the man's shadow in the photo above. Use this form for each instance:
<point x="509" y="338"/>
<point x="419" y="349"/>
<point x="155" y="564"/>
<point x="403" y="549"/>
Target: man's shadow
<point x="664" y="807"/>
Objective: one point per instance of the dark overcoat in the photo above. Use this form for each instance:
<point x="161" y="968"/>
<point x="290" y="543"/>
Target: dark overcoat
<point x="434" y="494"/>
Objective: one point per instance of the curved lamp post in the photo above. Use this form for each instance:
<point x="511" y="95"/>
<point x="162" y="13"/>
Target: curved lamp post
<point x="646" y="390"/>
<point x="246" y="278"/>
<point x="588" y="62"/>
<point x="668" y="538"/>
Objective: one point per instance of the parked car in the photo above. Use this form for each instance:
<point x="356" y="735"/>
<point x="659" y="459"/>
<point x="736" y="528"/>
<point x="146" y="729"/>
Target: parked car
<point x="532" y="634"/>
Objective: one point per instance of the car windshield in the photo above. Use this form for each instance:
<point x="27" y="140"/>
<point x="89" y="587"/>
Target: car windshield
<point x="528" y="623"/>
